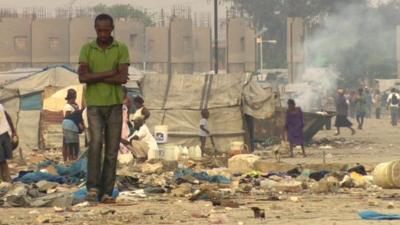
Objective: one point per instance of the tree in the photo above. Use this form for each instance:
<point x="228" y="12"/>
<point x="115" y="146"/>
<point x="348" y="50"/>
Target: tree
<point x="125" y="11"/>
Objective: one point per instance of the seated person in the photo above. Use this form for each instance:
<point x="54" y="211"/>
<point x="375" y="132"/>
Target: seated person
<point x="142" y="141"/>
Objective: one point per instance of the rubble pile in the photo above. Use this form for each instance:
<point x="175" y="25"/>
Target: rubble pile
<point x="49" y="183"/>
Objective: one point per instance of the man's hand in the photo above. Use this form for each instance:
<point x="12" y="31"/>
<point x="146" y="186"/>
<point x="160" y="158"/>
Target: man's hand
<point x="87" y="76"/>
<point x="121" y="77"/>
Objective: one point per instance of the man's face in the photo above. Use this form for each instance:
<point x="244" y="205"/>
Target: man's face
<point x="104" y="29"/>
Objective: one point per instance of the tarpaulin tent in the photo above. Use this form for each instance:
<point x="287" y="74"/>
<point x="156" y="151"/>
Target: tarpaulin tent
<point x="258" y="99"/>
<point x="176" y="101"/>
<point x="17" y="74"/>
<point x="30" y="100"/>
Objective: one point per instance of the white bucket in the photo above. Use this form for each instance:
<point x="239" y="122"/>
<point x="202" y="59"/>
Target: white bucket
<point x="161" y="134"/>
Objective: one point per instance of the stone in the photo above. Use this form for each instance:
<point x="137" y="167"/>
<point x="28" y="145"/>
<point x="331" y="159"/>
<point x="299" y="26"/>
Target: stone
<point x="58" y="209"/>
<point x="243" y="163"/>
<point x="294" y="199"/>
<point x="390" y="205"/>
<point x="329" y="185"/>
<point x="372" y="202"/>
<point x="291" y="186"/>
<point x="48" y="218"/>
<point x="41" y="219"/>
<point x="268" y="184"/>
<point x="266" y="166"/>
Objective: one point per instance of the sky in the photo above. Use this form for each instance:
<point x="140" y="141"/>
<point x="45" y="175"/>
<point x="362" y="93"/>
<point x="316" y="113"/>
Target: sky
<point x="196" y="5"/>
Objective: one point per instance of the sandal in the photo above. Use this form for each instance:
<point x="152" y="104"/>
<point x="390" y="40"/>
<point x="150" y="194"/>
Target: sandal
<point x="92" y="195"/>
<point x="108" y="200"/>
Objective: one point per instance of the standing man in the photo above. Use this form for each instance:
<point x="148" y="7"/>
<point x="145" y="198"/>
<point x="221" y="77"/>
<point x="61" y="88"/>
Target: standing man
<point x="103" y="67"/>
<point x="342" y="111"/>
<point x="393" y="101"/>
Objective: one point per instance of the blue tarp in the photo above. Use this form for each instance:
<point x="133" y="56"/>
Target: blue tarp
<point x="35" y="177"/>
<point x="202" y="176"/>
<point x="32" y="101"/>
<point x="371" y="215"/>
<point x="70" y="174"/>
<point x="78" y="169"/>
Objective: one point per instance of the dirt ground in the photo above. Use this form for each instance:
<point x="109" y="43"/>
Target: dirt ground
<point x="378" y="142"/>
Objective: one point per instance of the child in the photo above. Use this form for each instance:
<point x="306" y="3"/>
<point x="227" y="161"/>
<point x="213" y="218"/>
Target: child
<point x="204" y="132"/>
<point x="142" y="141"/>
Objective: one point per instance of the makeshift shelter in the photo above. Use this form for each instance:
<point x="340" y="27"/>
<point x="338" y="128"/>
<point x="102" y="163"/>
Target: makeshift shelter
<point x="258" y="105"/>
<point x="28" y="102"/>
<point x="176" y="101"/>
<point x="20" y="73"/>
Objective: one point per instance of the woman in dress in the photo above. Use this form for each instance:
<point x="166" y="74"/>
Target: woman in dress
<point x="294" y="127"/>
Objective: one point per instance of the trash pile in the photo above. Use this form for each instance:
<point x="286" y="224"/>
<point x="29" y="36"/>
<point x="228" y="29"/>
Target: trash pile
<point x="52" y="184"/>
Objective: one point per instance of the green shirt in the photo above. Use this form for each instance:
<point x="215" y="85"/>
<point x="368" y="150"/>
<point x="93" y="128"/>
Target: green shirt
<point x="100" y="60"/>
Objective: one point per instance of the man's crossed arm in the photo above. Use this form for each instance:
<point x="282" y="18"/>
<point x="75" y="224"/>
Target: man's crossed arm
<point x="118" y="76"/>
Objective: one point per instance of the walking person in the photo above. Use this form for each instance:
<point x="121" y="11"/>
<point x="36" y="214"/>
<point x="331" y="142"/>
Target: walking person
<point x="361" y="108"/>
<point x="393" y="101"/>
<point x="342" y="111"/>
<point x="294" y="127"/>
<point x="103" y="67"/>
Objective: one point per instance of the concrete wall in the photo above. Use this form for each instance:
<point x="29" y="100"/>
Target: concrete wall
<point x="295" y="47"/>
<point x="81" y="32"/>
<point x="202" y="49"/>
<point x="181" y="41"/>
<point x="250" y="54"/>
<point x="15" y="43"/>
<point x="157" y="49"/>
<point x="59" y="41"/>
<point x="241" y="46"/>
<point x="132" y="33"/>
<point x="50" y="42"/>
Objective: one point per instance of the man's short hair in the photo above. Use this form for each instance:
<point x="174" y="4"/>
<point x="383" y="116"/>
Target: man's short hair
<point x="104" y="17"/>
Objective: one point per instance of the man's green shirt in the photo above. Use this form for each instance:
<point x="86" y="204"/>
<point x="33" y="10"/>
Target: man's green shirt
<point x="100" y="60"/>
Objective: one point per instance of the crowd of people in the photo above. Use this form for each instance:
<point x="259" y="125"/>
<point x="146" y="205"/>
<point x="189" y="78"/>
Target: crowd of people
<point x="363" y="103"/>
